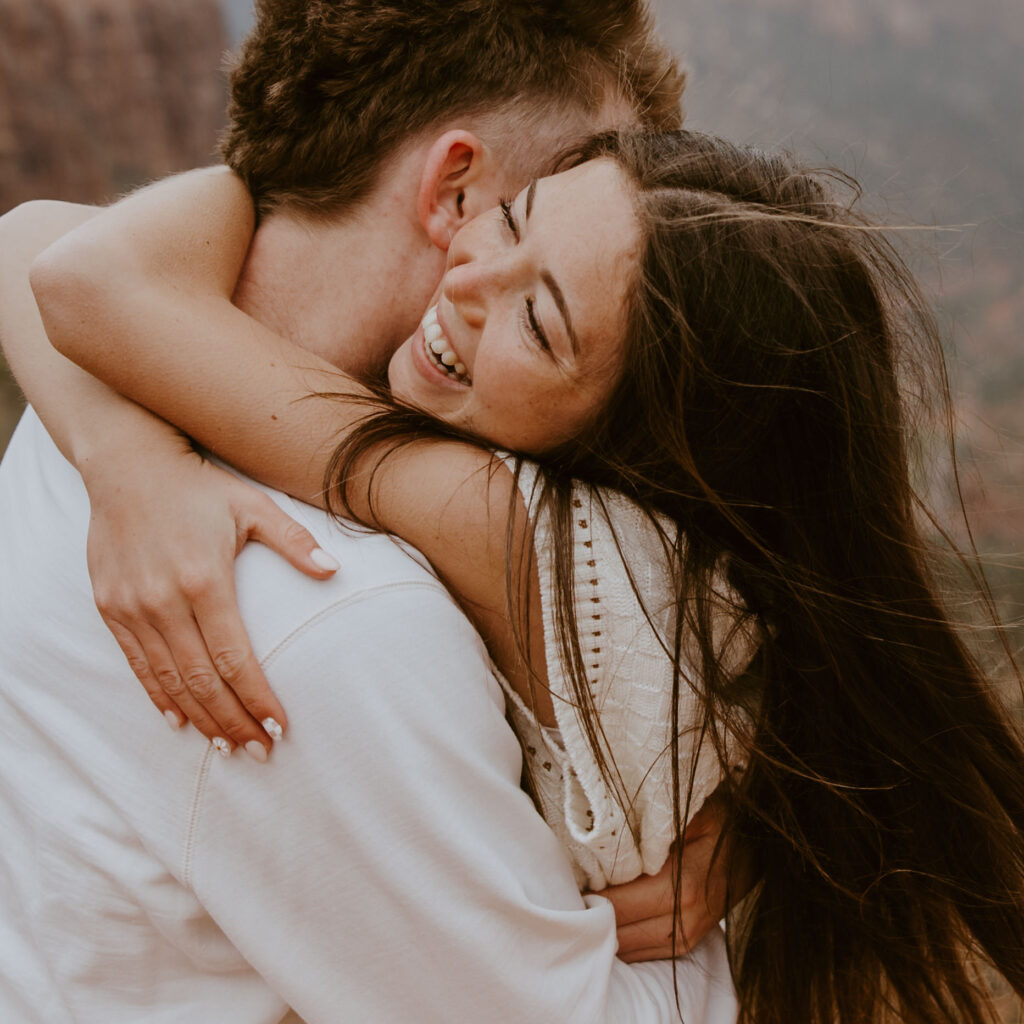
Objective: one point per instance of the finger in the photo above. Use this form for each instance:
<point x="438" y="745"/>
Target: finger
<point x="172" y="681"/>
<point x="265" y="522"/>
<point x="204" y="684"/>
<point x="655" y="932"/>
<point x="168" y="679"/>
<point x="704" y="883"/>
<point x="226" y="640"/>
<point x="652" y="940"/>
<point x="693" y="927"/>
<point x="139" y="664"/>
<point x="652" y="953"/>
<point x="643" y="898"/>
<point x="694" y="921"/>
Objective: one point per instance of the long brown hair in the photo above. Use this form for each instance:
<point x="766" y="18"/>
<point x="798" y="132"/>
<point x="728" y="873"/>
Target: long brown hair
<point x="760" y="414"/>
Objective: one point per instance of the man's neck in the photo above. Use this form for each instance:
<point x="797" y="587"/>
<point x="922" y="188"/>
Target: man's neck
<point x="351" y="289"/>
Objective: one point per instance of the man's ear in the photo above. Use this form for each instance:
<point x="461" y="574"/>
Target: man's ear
<point x="459" y="181"/>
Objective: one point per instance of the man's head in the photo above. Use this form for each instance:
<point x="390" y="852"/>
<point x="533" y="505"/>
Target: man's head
<point x="326" y="90"/>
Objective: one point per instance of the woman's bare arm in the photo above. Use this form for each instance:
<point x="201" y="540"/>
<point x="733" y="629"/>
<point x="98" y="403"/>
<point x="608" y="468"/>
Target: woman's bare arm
<point x="76" y="407"/>
<point x="158" y="325"/>
<point x="141" y="299"/>
<point x="183" y="512"/>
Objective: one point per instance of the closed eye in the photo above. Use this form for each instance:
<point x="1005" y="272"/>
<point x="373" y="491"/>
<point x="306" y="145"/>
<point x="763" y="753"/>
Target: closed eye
<point x="530" y="321"/>
<point x="535" y="328"/>
<point x="510" y="220"/>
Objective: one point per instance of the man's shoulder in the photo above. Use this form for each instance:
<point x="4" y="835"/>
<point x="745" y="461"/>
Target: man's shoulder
<point x="274" y="596"/>
<point x="41" y="495"/>
<point x="369" y="559"/>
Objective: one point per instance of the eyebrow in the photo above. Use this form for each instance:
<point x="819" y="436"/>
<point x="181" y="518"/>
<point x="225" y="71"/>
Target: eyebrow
<point x="552" y="285"/>
<point x="531" y="192"/>
<point x="563" y="308"/>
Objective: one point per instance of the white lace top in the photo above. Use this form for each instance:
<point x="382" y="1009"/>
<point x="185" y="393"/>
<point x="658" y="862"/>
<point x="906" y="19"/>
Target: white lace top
<point x="612" y="836"/>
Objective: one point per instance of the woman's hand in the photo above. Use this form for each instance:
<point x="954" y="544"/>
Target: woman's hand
<point x="165" y="530"/>
<point x="644" y="908"/>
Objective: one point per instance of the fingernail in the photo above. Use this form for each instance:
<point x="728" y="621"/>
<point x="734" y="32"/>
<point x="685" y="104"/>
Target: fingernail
<point x="324" y="561"/>
<point x="172" y="720"/>
<point x="273" y="730"/>
<point x="256" y="751"/>
<point x="221" y="746"/>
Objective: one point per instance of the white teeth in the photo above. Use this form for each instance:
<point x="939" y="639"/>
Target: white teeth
<point x="436" y="346"/>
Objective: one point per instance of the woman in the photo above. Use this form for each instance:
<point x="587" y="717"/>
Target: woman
<point x="740" y="440"/>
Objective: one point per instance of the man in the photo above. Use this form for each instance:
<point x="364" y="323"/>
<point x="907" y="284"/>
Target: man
<point x="367" y="134"/>
<point x="387" y="868"/>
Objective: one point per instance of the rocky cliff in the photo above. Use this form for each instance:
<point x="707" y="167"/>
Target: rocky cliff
<point x="100" y="95"/>
<point x="922" y="100"/>
<point x="97" y="95"/>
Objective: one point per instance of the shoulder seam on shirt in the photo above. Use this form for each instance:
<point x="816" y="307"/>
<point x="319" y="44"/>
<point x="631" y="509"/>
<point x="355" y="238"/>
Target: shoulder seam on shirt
<point x="195" y="811"/>
<point x="361" y="595"/>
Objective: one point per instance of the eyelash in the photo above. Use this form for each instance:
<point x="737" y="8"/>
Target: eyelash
<point x="528" y="317"/>
<point x="505" y="203"/>
<point x="529" y="321"/>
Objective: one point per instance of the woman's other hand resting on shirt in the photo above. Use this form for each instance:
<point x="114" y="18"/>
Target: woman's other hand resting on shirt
<point x="647" y="925"/>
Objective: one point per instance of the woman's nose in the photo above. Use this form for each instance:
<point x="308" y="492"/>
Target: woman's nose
<point x="477" y="275"/>
<point x="470" y="281"/>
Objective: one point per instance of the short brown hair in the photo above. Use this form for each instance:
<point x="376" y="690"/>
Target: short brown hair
<point x="324" y="89"/>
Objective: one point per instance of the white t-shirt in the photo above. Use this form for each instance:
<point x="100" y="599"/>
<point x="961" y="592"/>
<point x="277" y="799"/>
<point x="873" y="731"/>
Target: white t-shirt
<point x="383" y="867"/>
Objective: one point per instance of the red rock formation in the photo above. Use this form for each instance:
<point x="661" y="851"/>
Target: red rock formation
<point x="98" y="95"/>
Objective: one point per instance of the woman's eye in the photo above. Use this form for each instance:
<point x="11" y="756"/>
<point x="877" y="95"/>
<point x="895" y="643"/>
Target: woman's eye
<point x="529" y="319"/>
<point x="533" y="324"/>
<point x="510" y="220"/>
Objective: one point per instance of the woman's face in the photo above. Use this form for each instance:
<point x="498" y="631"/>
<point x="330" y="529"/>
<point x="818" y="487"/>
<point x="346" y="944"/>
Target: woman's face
<point x="523" y="344"/>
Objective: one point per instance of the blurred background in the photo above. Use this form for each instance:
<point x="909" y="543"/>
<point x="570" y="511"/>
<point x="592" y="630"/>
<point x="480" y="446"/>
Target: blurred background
<point x="922" y="100"/>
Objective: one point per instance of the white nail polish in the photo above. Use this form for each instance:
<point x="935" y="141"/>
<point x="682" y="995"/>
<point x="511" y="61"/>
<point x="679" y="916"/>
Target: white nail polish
<point x="256" y="751"/>
<point x="221" y="746"/>
<point x="172" y="720"/>
<point x="273" y="730"/>
<point x="322" y="560"/>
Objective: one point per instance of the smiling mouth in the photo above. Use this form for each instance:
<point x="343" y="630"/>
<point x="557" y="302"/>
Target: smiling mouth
<point x="439" y="349"/>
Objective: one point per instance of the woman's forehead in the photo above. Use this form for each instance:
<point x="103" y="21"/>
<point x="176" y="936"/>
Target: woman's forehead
<point x="593" y="243"/>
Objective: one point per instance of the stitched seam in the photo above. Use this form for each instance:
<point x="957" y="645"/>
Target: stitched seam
<point x="362" y="595"/>
<point x="192" y="827"/>
<point x="196" y="810"/>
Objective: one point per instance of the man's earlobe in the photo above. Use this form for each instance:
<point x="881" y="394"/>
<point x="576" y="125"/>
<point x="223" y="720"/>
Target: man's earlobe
<point x="455" y="164"/>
